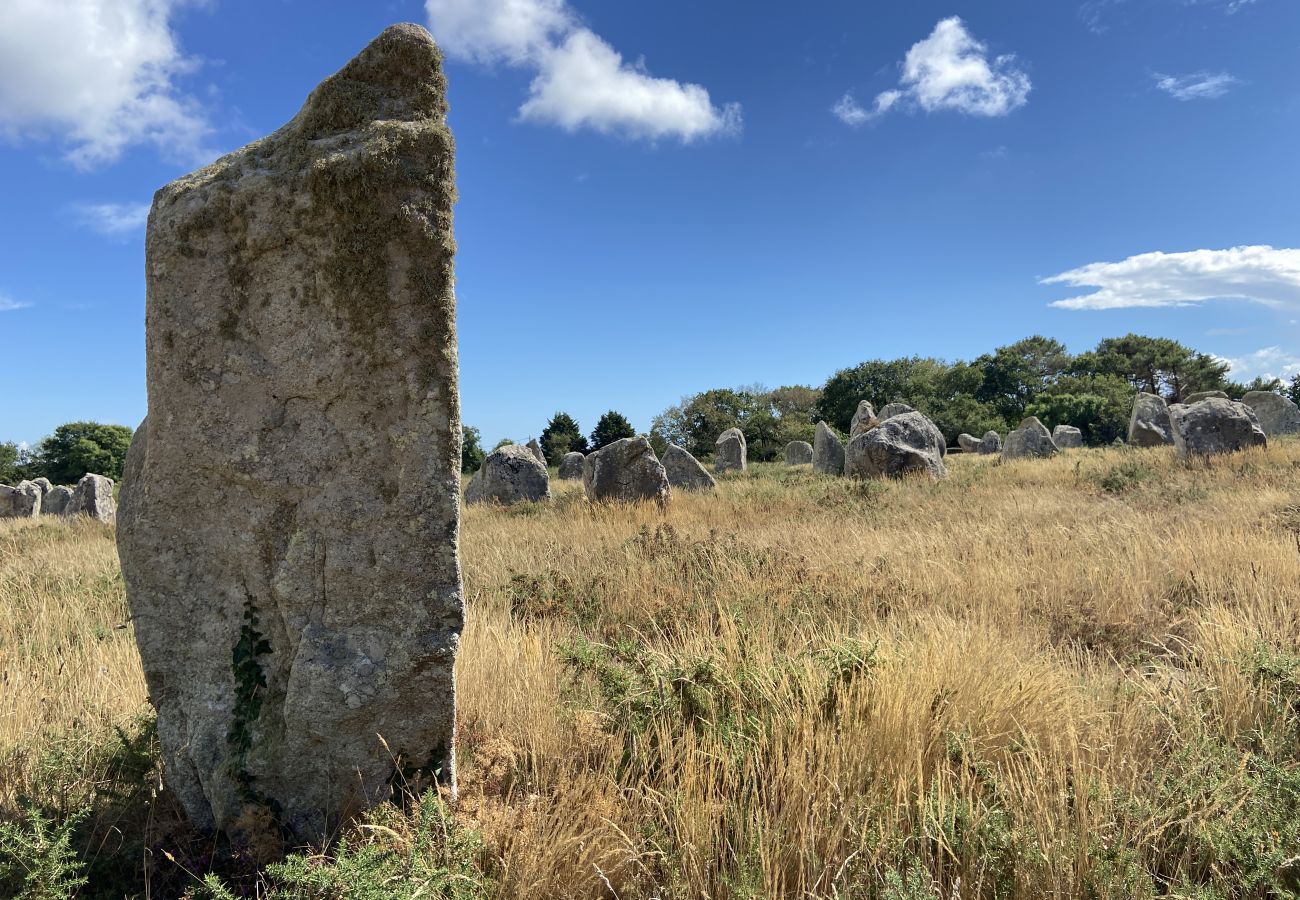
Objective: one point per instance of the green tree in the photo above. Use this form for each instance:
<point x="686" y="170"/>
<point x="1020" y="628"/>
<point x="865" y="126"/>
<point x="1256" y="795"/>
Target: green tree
<point x="910" y="380"/>
<point x="1258" y="383"/>
<point x="1294" y="390"/>
<point x="10" y="472"/>
<point x="1098" y="405"/>
<point x="1155" y="365"/>
<point x="78" y="448"/>
<point x="471" y="449"/>
<point x="560" y="436"/>
<point x="1014" y="375"/>
<point x="613" y="426"/>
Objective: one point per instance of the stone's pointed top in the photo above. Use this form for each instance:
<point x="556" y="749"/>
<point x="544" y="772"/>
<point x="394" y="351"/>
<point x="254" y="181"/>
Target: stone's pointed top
<point x="398" y="76"/>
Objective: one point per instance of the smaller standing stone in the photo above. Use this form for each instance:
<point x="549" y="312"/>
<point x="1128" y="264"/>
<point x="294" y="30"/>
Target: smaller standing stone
<point x="55" y="503"/>
<point x="93" y="497"/>
<point x="685" y="472"/>
<point x="536" y="448"/>
<point x="901" y="444"/>
<point x="1277" y="415"/>
<point x="20" y="502"/>
<point x="894" y="409"/>
<point x="828" y="451"/>
<point x="1205" y="395"/>
<point x="991" y="444"/>
<point x="510" y="474"/>
<point x="571" y="466"/>
<point x="1029" y="440"/>
<point x="1149" y="425"/>
<point x="968" y="443"/>
<point x="626" y="471"/>
<point x="1215" y="426"/>
<point x="44" y="484"/>
<point x="731" y="453"/>
<point x="1067" y="437"/>
<point x="863" y="420"/>
<point x="798" y="453"/>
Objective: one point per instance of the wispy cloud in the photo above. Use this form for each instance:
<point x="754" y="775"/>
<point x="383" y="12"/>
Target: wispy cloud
<point x="1269" y="362"/>
<point x="1197" y="86"/>
<point x="948" y="71"/>
<point x="8" y="304"/>
<point x="581" y="81"/>
<point x="1257" y="274"/>
<point x="112" y="219"/>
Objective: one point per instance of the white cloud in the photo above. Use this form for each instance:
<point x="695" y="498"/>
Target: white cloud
<point x="1270" y="362"/>
<point x="113" y="219"/>
<point x="1197" y="86"/>
<point x="1257" y="274"/>
<point x="98" y="75"/>
<point x="8" y="305"/>
<point x="949" y="70"/>
<point x="581" y="81"/>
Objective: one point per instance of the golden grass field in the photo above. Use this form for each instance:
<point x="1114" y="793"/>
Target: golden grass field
<point x="1076" y="677"/>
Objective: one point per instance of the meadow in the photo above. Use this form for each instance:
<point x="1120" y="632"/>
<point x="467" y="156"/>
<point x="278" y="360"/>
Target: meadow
<point x="1074" y="677"/>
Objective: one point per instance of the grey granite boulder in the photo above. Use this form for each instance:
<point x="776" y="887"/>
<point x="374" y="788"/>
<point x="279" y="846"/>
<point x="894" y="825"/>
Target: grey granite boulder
<point x="968" y="443"/>
<point x="290" y="514"/>
<point x="571" y="466"/>
<point x="685" y="471"/>
<point x="731" y="453"/>
<point x="44" y="484"/>
<point x="1215" y="426"/>
<point x="991" y="443"/>
<point x="1031" y="439"/>
<point x="22" y="501"/>
<point x="510" y="474"/>
<point x="1205" y="395"/>
<point x="894" y="409"/>
<point x="863" y="420"/>
<point x="56" y="502"/>
<point x="93" y="496"/>
<point x="536" y="450"/>
<point x="1067" y="437"/>
<point x="908" y="442"/>
<point x="1149" y="426"/>
<point x="828" y="451"/>
<point x="625" y="471"/>
<point x="798" y="453"/>
<point x="1277" y="415"/>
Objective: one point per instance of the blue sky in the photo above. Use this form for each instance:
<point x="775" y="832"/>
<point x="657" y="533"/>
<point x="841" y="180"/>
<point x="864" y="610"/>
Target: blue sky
<point x="663" y="197"/>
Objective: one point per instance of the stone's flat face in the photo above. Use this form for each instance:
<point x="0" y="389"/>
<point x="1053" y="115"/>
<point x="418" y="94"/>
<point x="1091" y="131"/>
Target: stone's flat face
<point x="1149" y="425"/>
<point x="510" y="474"/>
<point x="863" y="420"/>
<point x="991" y="443"/>
<point x="92" y="497"/>
<point x="731" y="453"/>
<point x="798" y="453"/>
<point x="1205" y="395"/>
<point x="1215" y="426"/>
<point x="685" y="471"/>
<point x="908" y="442"/>
<point x="1031" y="439"/>
<point x="56" y="502"/>
<point x="23" y="501"/>
<point x="894" y="409"/>
<point x="536" y="449"/>
<point x="1277" y="415"/>
<point x="290" y="512"/>
<point x="1067" y="437"/>
<point x="626" y="471"/>
<point x="571" y="466"/>
<point x="828" y="451"/>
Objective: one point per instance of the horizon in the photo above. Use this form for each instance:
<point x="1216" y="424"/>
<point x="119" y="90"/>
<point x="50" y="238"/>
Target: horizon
<point x="935" y="181"/>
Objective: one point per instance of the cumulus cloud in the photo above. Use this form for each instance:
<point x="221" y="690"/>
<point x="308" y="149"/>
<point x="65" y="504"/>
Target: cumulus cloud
<point x="1270" y="362"/>
<point x="581" y="81"/>
<point x="7" y="304"/>
<point x="112" y="219"/>
<point x="99" y="75"/>
<point x="1197" y="86"/>
<point x="948" y="71"/>
<point x="1256" y="274"/>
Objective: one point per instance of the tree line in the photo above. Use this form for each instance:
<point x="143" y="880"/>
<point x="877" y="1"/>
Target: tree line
<point x="73" y="450"/>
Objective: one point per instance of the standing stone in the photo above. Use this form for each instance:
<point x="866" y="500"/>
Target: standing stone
<point x="571" y="466"/>
<point x="22" y="501"/>
<point x="894" y="409"/>
<point x="1215" y="426"/>
<point x="1149" y="425"/>
<point x="55" y="503"/>
<point x="863" y="420"/>
<point x="1205" y="395"/>
<point x="905" y="443"/>
<point x="627" y="471"/>
<point x="536" y="450"/>
<point x="44" y="484"/>
<point x="828" y="451"/>
<point x="991" y="444"/>
<point x="1277" y="415"/>
<point x="1067" y="437"/>
<point x="798" y="453"/>
<point x="510" y="474"/>
<point x="685" y="472"/>
<point x="968" y="443"/>
<point x="731" y="452"/>
<point x="1031" y="439"/>
<point x="290" y="513"/>
<point x="92" y="497"/>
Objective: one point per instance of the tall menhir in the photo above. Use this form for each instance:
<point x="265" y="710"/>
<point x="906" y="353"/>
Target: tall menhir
<point x="289" y="517"/>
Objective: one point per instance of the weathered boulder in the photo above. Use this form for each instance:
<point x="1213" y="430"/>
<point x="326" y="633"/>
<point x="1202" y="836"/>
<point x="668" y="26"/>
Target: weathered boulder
<point x="1215" y="426"/>
<point x="828" y="451"/>
<point x="626" y="471"/>
<point x="968" y="443"/>
<point x="23" y="501"/>
<point x="289" y="521"/>
<point x="1277" y="415"/>
<point x="44" y="484"/>
<point x="731" y="452"/>
<point x="908" y="442"/>
<point x="894" y="409"/>
<point x="991" y="443"/>
<point x="536" y="449"/>
<point x="510" y="474"/>
<point x="1067" y="437"/>
<point x="1149" y="425"/>
<point x="571" y="466"/>
<point x="55" y="503"/>
<point x="863" y="420"/>
<point x="93" y="496"/>
<point x="798" y="453"/>
<point x="685" y="471"/>
<point x="1205" y="395"/>
<point x="1031" y="439"/>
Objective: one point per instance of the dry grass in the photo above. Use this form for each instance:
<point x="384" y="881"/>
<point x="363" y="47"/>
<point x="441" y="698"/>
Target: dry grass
<point x="1073" y="678"/>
